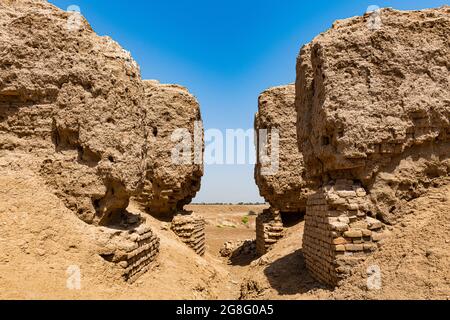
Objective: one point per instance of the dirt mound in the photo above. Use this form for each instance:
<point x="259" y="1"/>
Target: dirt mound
<point x="414" y="261"/>
<point x="373" y="104"/>
<point x="43" y="244"/>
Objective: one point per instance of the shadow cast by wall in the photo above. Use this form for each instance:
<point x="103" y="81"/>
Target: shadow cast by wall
<point x="244" y="255"/>
<point x="288" y="275"/>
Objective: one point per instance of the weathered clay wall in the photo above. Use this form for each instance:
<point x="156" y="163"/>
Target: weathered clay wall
<point x="170" y="185"/>
<point x="372" y="101"/>
<point x="373" y="115"/>
<point x="100" y="134"/>
<point x="285" y="189"/>
<point x="76" y="105"/>
<point x="74" y="99"/>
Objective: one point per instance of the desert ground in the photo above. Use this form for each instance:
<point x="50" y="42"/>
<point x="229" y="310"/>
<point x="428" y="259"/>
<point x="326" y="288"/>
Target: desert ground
<point x="414" y="260"/>
<point x="99" y="167"/>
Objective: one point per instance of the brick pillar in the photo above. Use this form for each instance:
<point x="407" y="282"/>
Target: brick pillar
<point x="134" y="252"/>
<point x="191" y="230"/>
<point x="269" y="230"/>
<point x="338" y="234"/>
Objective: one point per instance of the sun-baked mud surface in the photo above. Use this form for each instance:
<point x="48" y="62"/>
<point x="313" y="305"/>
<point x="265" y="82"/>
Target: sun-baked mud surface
<point x="414" y="260"/>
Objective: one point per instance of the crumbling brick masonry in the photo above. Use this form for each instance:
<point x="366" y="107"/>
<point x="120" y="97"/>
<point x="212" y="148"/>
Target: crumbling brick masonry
<point x="339" y="232"/>
<point x="134" y="251"/>
<point x="191" y="230"/>
<point x="269" y="230"/>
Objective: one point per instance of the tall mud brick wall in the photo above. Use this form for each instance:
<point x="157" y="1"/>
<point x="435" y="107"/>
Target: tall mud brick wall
<point x="169" y="185"/>
<point x="191" y="230"/>
<point x="283" y="185"/>
<point x="72" y="99"/>
<point x="373" y="122"/>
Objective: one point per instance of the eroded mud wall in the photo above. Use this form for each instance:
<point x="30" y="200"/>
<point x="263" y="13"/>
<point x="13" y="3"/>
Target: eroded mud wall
<point x="373" y="106"/>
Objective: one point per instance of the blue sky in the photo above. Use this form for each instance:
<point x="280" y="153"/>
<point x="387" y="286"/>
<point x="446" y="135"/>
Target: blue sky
<point x="226" y="52"/>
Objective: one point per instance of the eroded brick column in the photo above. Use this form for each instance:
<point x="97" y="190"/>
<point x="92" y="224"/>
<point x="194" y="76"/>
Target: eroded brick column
<point x="134" y="251"/>
<point x="339" y="231"/>
<point x="269" y="230"/>
<point x="191" y="230"/>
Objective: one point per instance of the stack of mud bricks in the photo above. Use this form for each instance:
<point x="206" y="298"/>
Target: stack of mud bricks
<point x="269" y="230"/>
<point x="339" y="233"/>
<point x="191" y="230"/>
<point x="136" y="251"/>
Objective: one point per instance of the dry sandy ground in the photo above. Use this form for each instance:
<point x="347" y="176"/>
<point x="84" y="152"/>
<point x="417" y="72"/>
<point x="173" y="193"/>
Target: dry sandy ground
<point x="414" y="261"/>
<point x="40" y="239"/>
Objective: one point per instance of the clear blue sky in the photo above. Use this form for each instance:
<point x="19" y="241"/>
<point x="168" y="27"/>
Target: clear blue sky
<point x="226" y="52"/>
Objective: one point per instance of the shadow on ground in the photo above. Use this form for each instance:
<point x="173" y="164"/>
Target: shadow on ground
<point x="243" y="259"/>
<point x="288" y="275"/>
<point x="245" y="254"/>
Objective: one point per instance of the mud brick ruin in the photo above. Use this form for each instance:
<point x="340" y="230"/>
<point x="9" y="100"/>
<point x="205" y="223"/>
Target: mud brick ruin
<point x="365" y="129"/>
<point x="191" y="230"/>
<point x="285" y="188"/>
<point x="372" y="132"/>
<point x="373" y="129"/>
<point x="170" y="185"/>
<point x="269" y="230"/>
<point x="338" y="230"/>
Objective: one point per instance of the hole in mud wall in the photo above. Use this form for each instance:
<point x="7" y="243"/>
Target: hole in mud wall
<point x="290" y="219"/>
<point x="113" y="218"/>
<point x="96" y="204"/>
<point x="195" y="183"/>
<point x="88" y="156"/>
<point x="64" y="139"/>
<point x="155" y="132"/>
<point x="325" y="141"/>
<point x="107" y="257"/>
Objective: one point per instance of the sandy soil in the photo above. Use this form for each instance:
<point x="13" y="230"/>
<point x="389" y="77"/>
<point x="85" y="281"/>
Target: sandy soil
<point x="40" y="239"/>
